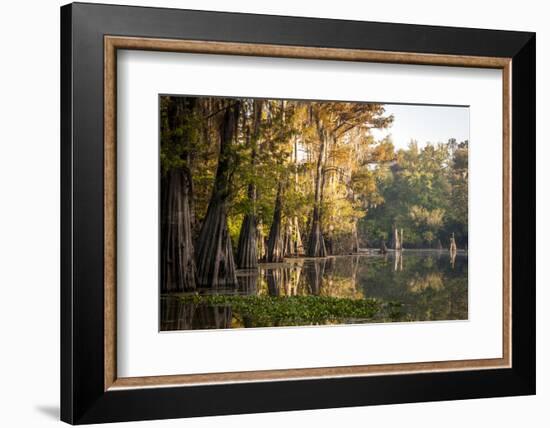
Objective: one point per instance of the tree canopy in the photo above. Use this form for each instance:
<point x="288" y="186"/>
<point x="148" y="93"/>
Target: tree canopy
<point x="247" y="180"/>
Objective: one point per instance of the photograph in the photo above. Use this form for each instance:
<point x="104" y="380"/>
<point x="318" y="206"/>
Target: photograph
<point x="284" y="212"/>
<point x="263" y="211"/>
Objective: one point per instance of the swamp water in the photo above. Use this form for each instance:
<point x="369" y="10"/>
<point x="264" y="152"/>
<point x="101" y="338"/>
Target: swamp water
<point x="413" y="285"/>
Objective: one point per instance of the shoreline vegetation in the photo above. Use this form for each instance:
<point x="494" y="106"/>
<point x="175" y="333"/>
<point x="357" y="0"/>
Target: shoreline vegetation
<point x="252" y="188"/>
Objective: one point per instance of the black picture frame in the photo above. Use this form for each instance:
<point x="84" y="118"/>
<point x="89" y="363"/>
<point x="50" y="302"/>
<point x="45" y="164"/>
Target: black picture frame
<point x="83" y="399"/>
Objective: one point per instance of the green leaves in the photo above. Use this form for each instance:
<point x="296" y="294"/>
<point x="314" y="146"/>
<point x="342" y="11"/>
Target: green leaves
<point x="422" y="190"/>
<point x="426" y="194"/>
<point x="265" y="311"/>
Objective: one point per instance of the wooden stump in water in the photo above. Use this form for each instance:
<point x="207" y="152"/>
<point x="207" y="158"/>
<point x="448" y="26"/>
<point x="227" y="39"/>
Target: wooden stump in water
<point x="452" y="250"/>
<point x="396" y="240"/>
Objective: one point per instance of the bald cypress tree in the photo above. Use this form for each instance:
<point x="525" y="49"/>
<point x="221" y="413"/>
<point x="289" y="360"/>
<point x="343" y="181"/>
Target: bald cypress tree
<point x="316" y="242"/>
<point x="215" y="261"/>
<point x="177" y="252"/>
<point x="247" y="249"/>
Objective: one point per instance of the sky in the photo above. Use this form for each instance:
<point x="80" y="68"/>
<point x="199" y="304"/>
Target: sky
<point x="423" y="123"/>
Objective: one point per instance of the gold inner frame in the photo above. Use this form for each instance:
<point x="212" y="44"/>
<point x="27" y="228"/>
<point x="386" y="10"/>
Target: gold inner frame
<point x="113" y="43"/>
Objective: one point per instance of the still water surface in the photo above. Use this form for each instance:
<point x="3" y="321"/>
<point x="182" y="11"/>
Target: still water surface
<point x="411" y="286"/>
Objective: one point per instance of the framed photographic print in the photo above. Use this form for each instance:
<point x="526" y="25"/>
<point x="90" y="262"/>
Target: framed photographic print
<point x="265" y="213"/>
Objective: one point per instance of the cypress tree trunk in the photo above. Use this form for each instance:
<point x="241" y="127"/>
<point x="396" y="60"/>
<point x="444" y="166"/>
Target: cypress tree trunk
<point x="298" y="246"/>
<point x="247" y="248"/>
<point x="178" y="266"/>
<point x="296" y="238"/>
<point x="354" y="238"/>
<point x="177" y="212"/>
<point x="288" y="240"/>
<point x="275" y="242"/>
<point x="329" y="242"/>
<point x="383" y="248"/>
<point x="316" y="243"/>
<point x="260" y="239"/>
<point x="215" y="262"/>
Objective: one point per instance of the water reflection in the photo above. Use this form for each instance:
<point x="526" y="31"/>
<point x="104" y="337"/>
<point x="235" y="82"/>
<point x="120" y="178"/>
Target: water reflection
<point x="424" y="285"/>
<point x="177" y="316"/>
<point x="398" y="264"/>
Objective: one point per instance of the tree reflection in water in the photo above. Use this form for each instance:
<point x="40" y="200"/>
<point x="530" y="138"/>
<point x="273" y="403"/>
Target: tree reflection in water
<point x="422" y="285"/>
<point x="178" y="316"/>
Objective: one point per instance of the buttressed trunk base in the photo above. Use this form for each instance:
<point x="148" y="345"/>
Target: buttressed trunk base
<point x="177" y="261"/>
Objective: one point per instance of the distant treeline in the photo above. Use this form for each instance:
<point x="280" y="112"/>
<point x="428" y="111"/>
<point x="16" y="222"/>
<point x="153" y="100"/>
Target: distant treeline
<point x="425" y="193"/>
